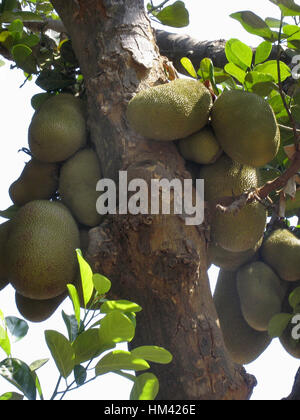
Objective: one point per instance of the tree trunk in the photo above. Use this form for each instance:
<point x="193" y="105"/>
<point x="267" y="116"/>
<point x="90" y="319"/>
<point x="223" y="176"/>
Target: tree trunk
<point x="157" y="261"/>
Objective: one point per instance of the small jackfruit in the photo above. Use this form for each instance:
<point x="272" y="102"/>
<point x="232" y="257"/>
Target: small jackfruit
<point x="281" y="251"/>
<point x="77" y="186"/>
<point x="40" y="250"/>
<point x="170" y="111"/>
<point x="261" y="294"/>
<point x="57" y="129"/>
<point x="246" y="127"/>
<point x="225" y="178"/>
<point x="37" y="310"/>
<point x="38" y="181"/>
<point x="201" y="147"/>
<point x="242" y="342"/>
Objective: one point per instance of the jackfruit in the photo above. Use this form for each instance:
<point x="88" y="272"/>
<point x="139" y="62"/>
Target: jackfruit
<point x="4" y="232"/>
<point x="229" y="260"/>
<point x="281" y="251"/>
<point x="201" y="147"/>
<point x="57" y="129"/>
<point x="38" y="310"/>
<point x="234" y="232"/>
<point x="170" y="111"/>
<point x="261" y="294"/>
<point x="40" y="250"/>
<point x="246" y="127"/>
<point x="38" y="181"/>
<point x="77" y="186"/>
<point x="242" y="342"/>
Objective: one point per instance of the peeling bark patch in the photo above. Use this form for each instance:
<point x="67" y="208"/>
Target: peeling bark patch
<point x="139" y="48"/>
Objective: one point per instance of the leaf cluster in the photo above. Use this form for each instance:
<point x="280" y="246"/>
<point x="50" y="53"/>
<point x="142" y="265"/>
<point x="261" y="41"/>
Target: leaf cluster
<point x="89" y="348"/>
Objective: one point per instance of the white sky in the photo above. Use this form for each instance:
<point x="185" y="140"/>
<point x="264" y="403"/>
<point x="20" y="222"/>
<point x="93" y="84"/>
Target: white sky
<point x="275" y="369"/>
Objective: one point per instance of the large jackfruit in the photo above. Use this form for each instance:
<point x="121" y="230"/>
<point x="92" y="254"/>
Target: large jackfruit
<point x="170" y="111"/>
<point x="38" y="181"/>
<point x="261" y="294"/>
<point x="229" y="260"/>
<point x="281" y="251"/>
<point x="57" y="129"/>
<point x="77" y="186"/>
<point x="234" y="232"/>
<point x="242" y="342"/>
<point x="40" y="250"/>
<point x="246" y="127"/>
<point x="38" y="310"/>
<point x="4" y="232"/>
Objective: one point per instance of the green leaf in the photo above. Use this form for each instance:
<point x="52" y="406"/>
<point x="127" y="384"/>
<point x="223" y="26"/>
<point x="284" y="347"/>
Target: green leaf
<point x="71" y="324"/>
<point x="231" y="56"/>
<point x="287" y="7"/>
<point x="19" y="374"/>
<point x="294" y="298"/>
<point x="86" y="277"/>
<point x="17" y="327"/>
<point x="118" y="360"/>
<point x="38" y="100"/>
<point x="116" y="327"/>
<point x="8" y="5"/>
<point x="274" y="23"/>
<point x="8" y="17"/>
<point x="88" y="346"/>
<point x="153" y="354"/>
<point x="75" y="301"/>
<point x="37" y="364"/>
<point x="53" y="80"/>
<point x="263" y="52"/>
<point x="119" y="305"/>
<point x="253" y="24"/>
<point x="23" y="57"/>
<point x="11" y="396"/>
<point x="61" y="351"/>
<point x="175" y="15"/>
<point x="4" y="340"/>
<point x="270" y="67"/>
<point x="146" y="387"/>
<point x="235" y="71"/>
<point x="188" y="66"/>
<point x="242" y="52"/>
<point x="2" y="63"/>
<point x="101" y="283"/>
<point x="79" y="375"/>
<point x="278" y="324"/>
<point x="10" y="212"/>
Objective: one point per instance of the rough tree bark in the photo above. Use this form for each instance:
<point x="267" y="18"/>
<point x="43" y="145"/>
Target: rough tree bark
<point x="156" y="261"/>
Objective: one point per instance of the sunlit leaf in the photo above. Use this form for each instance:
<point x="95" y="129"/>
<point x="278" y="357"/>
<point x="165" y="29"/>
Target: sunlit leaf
<point x="75" y="301"/>
<point x="86" y="277"/>
<point x="287" y="7"/>
<point x="120" y="305"/>
<point x="146" y="387"/>
<point x="88" y="346"/>
<point x="188" y="66"/>
<point x="116" y="327"/>
<point x="270" y="67"/>
<point x="235" y="71"/>
<point x="263" y="52"/>
<point x="118" y="360"/>
<point x="11" y="396"/>
<point x="102" y="284"/>
<point x="153" y="354"/>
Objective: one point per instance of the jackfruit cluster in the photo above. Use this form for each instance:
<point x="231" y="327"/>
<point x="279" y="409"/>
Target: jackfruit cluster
<point x="229" y="143"/>
<point x="55" y="197"/>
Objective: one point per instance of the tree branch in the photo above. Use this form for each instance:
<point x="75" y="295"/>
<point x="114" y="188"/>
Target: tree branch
<point x="295" y="394"/>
